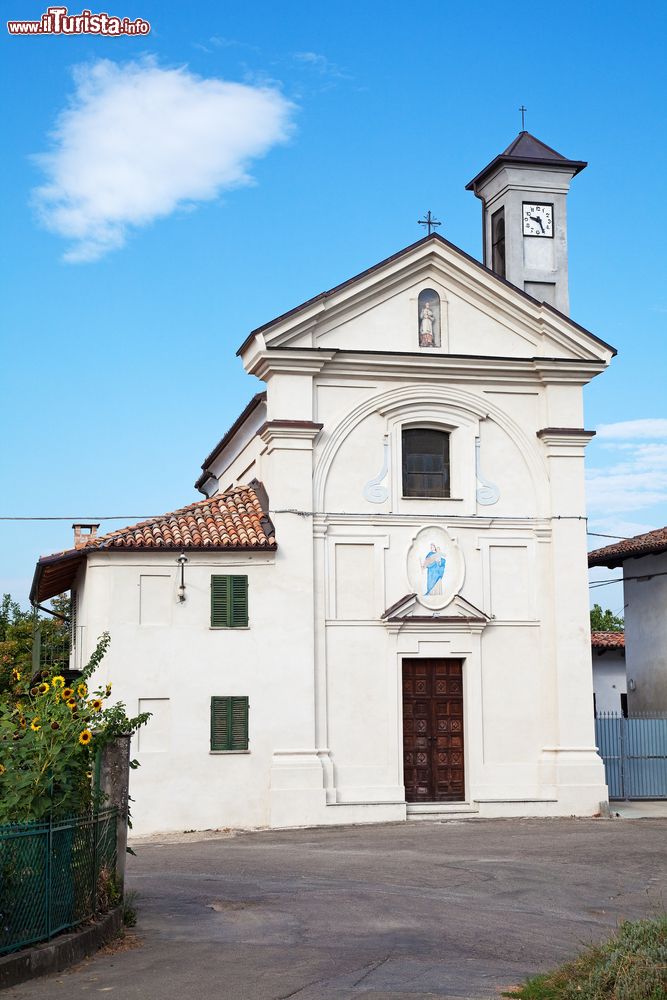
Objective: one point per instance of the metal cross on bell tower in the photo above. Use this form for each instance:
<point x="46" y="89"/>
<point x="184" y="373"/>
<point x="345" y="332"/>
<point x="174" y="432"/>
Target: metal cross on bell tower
<point x="523" y="117"/>
<point x="429" y="221"/>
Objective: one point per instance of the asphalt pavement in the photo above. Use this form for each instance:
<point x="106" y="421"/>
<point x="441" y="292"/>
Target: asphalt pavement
<point x="416" y="910"/>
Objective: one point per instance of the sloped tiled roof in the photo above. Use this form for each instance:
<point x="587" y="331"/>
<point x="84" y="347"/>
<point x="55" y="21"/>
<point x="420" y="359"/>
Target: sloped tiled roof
<point x="651" y="543"/>
<point x="608" y="640"/>
<point x="526" y="148"/>
<point x="234" y="520"/>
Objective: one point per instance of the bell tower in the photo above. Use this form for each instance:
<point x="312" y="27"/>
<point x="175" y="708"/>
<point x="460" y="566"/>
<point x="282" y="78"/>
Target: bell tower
<point x="524" y="217"/>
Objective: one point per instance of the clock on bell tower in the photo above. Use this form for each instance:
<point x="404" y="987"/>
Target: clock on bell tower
<point x="523" y="193"/>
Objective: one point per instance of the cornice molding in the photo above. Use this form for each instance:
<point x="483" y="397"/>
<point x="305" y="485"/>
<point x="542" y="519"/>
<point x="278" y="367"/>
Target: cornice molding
<point x="442" y="625"/>
<point x="567" y="438"/>
<point x="435" y="367"/>
<point x="289" y="430"/>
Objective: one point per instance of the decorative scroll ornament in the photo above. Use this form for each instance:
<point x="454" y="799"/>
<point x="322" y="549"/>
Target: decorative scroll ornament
<point x="487" y="492"/>
<point x="373" y="491"/>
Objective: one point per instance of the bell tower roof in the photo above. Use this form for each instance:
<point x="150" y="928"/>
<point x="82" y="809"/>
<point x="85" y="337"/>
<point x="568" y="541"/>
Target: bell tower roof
<point x="526" y="148"/>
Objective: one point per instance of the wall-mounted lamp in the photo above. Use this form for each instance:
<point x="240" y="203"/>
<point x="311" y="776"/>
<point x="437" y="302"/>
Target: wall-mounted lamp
<point x="182" y="559"/>
<point x="631" y="684"/>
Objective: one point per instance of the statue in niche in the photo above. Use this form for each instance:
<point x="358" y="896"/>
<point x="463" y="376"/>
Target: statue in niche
<point x="428" y="308"/>
<point x="434" y="563"/>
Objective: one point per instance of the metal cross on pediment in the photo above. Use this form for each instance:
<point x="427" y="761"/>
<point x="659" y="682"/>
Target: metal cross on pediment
<point x="429" y="221"/>
<point x="523" y="117"/>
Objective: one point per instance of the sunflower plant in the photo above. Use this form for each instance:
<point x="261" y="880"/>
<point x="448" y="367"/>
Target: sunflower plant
<point x="50" y="732"/>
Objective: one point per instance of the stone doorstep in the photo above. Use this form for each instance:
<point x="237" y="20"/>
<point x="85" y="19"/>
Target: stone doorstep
<point x="61" y="952"/>
<point x="441" y="810"/>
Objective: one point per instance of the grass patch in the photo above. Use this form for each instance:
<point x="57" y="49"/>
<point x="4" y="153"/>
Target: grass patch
<point x="130" y="909"/>
<point x="631" y="965"/>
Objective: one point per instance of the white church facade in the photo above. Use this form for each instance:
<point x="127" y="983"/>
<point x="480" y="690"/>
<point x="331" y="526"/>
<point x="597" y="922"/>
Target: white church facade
<point x="379" y="610"/>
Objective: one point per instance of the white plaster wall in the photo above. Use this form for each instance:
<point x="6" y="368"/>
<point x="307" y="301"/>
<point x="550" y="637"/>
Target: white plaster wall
<point x="471" y="325"/>
<point x="536" y="746"/>
<point x="646" y="632"/>
<point x="609" y="681"/>
<point x="184" y="786"/>
<point x="240" y="461"/>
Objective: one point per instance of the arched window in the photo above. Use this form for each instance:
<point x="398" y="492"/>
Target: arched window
<point x="428" y="309"/>
<point x="425" y="462"/>
<point x="498" y="242"/>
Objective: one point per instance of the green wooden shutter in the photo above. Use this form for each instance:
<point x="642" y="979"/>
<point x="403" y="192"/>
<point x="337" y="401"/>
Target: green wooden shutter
<point x="239" y="602"/>
<point x="74" y="607"/>
<point x="220" y="594"/>
<point x="239" y="723"/>
<point x="229" y="601"/>
<point x="219" y="724"/>
<point x="229" y="723"/>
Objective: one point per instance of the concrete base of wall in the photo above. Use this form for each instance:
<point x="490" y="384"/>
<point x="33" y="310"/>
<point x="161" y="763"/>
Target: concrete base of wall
<point x="61" y="952"/>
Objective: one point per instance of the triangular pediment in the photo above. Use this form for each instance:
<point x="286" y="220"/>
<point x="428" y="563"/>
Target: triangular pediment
<point x="480" y="314"/>
<point x="409" y="609"/>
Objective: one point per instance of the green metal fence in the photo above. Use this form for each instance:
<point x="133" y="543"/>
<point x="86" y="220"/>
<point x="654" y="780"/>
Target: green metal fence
<point x="51" y="874"/>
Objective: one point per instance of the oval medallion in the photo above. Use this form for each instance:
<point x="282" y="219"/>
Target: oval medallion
<point x="436" y="568"/>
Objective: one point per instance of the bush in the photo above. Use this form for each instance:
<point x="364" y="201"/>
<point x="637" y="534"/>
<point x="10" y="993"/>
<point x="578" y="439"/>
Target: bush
<point x="631" y="965"/>
<point x="49" y="736"/>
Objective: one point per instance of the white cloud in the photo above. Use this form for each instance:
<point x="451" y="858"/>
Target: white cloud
<point x="137" y="142"/>
<point x="321" y="64"/>
<point x="634" y="429"/>
<point x="636" y="476"/>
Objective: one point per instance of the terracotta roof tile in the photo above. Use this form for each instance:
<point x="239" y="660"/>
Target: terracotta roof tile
<point x="234" y="519"/>
<point x="608" y="640"/>
<point x="651" y="543"/>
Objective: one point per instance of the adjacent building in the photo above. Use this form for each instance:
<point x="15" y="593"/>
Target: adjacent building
<point x="609" y="683"/>
<point x="643" y="560"/>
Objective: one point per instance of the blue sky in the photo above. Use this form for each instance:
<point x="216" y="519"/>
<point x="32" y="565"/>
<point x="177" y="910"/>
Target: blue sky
<point x="122" y="311"/>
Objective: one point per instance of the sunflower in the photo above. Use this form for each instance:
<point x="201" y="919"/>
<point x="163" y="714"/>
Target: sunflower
<point x="82" y="690"/>
<point x="44" y="687"/>
<point x="22" y="723"/>
<point x="71" y="704"/>
<point x="34" y="691"/>
<point x="34" y="724"/>
<point x="107" y="691"/>
<point x="58" y="681"/>
<point x="55" y="725"/>
<point x="16" y="675"/>
<point x="67" y="692"/>
<point x="89" y="775"/>
<point x="96" y="705"/>
<point x="85" y="737"/>
<point x="2" y="768"/>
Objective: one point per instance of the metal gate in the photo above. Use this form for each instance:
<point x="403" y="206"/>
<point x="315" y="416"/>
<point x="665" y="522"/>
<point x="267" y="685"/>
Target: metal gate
<point x="634" y="751"/>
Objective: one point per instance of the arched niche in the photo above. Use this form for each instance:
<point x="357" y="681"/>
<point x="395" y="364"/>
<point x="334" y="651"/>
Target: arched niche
<point x="429" y="318"/>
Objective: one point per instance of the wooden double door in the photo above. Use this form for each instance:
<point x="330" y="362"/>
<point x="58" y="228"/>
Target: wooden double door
<point x="433" y="750"/>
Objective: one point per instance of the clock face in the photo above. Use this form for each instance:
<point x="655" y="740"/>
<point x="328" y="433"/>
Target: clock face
<point x="538" y="219"/>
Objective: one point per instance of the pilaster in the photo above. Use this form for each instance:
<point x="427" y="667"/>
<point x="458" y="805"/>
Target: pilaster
<point x="572" y="761"/>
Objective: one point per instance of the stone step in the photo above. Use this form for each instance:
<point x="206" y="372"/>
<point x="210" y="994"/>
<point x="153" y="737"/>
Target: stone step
<point x="434" y="811"/>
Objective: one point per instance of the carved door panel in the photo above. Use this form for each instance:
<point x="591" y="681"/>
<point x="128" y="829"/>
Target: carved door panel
<point x="433" y="745"/>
